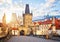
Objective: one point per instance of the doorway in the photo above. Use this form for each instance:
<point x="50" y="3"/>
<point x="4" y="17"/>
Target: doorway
<point x="22" y="32"/>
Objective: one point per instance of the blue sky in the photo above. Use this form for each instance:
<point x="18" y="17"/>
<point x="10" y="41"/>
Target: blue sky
<point x="37" y="7"/>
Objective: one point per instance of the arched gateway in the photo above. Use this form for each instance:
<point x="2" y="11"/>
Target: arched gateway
<point x="22" y="32"/>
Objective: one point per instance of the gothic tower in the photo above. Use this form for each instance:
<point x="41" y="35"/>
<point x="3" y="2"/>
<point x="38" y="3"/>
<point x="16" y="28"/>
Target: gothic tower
<point x="4" y="20"/>
<point x="27" y="17"/>
<point x="14" y="21"/>
<point x="14" y="18"/>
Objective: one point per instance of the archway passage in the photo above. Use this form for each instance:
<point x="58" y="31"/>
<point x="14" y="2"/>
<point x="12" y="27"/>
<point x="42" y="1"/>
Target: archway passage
<point x="22" y="32"/>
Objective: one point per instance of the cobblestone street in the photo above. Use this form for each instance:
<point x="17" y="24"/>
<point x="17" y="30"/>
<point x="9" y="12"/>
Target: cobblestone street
<point x="29" y="39"/>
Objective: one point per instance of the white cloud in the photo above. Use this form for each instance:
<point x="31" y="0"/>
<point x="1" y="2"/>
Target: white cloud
<point x="45" y="8"/>
<point x="50" y="1"/>
<point x="54" y="13"/>
<point x="8" y="7"/>
<point x="2" y="1"/>
<point x="5" y="1"/>
<point x="18" y="8"/>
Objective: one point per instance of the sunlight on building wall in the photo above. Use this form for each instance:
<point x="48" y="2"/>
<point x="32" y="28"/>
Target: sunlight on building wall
<point x="8" y="18"/>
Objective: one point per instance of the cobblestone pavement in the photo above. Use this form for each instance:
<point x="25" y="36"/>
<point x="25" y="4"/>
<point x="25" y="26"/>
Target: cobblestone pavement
<point x="29" y="39"/>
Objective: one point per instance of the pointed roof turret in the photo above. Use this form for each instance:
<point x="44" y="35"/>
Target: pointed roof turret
<point x="27" y="10"/>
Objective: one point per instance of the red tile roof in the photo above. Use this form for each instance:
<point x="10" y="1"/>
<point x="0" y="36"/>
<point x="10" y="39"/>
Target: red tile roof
<point x="14" y="28"/>
<point x="57" y="23"/>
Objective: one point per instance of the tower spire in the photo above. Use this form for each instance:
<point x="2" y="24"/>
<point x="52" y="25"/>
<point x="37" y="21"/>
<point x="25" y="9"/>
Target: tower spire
<point x="27" y="9"/>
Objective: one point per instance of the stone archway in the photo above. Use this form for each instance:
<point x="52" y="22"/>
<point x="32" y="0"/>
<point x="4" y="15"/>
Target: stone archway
<point x="22" y="32"/>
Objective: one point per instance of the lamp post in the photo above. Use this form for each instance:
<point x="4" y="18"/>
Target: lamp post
<point x="35" y="27"/>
